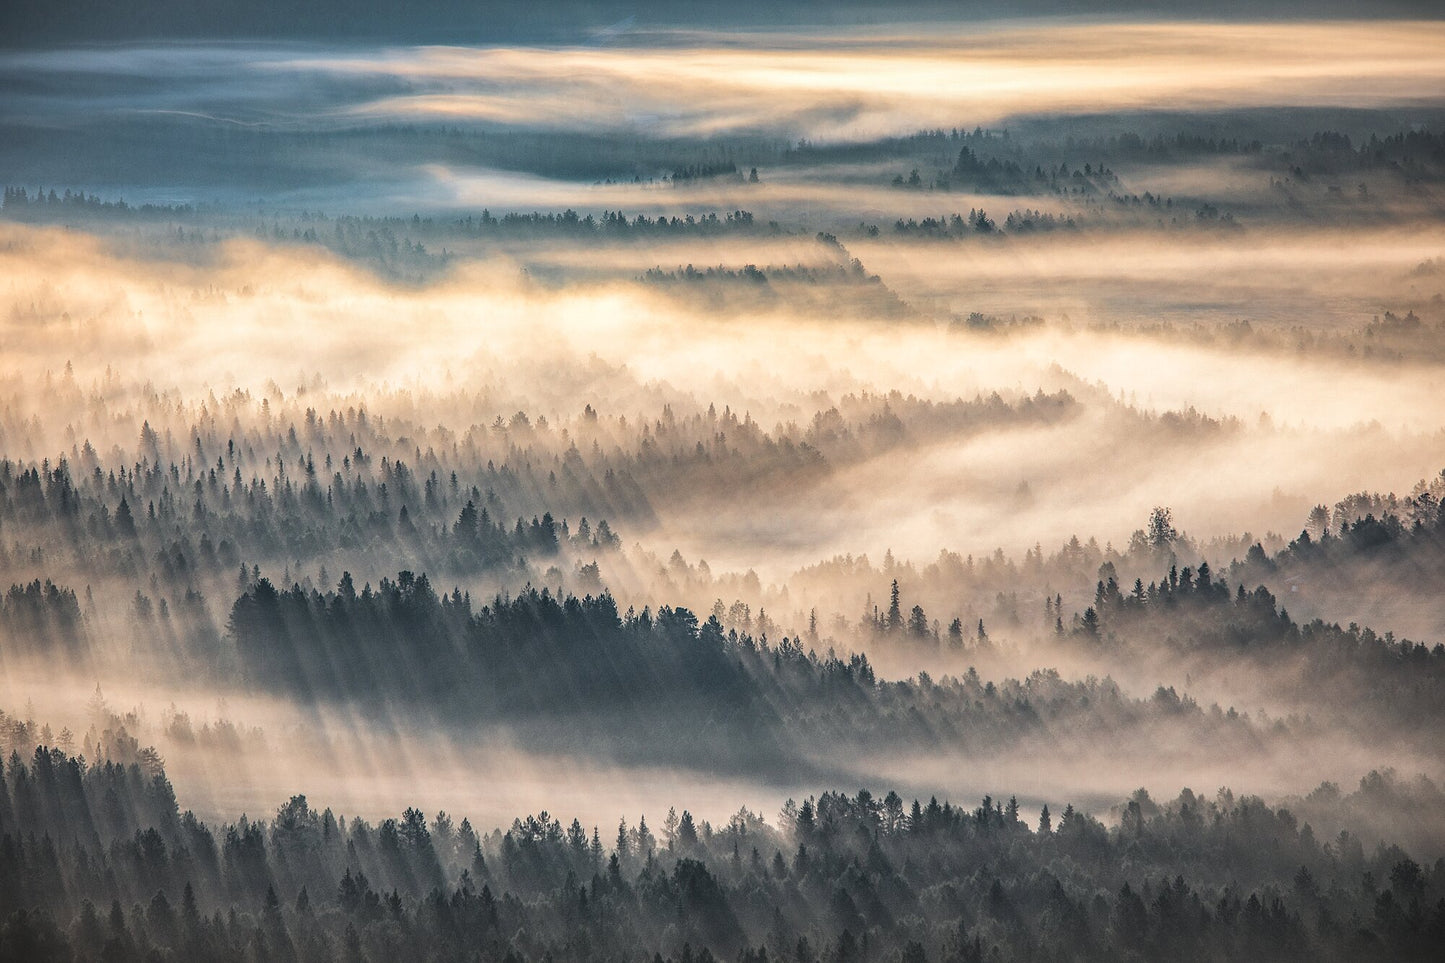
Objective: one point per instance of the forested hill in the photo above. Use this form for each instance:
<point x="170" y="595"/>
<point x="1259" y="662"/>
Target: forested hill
<point x="98" y="863"/>
<point x="1191" y="617"/>
<point x="661" y="685"/>
<point x="666" y="684"/>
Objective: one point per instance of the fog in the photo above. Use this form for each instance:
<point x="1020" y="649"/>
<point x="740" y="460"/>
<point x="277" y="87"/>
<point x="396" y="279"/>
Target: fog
<point x="783" y="82"/>
<point x="1266" y="436"/>
<point x="1308" y="427"/>
<point x="720" y="421"/>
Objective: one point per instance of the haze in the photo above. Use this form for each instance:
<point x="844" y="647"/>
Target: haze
<point x="724" y="415"/>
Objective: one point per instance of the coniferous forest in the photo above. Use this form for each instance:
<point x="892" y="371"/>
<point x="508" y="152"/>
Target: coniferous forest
<point x="844" y="483"/>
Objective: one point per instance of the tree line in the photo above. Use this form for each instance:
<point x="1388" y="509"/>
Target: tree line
<point x="98" y="862"/>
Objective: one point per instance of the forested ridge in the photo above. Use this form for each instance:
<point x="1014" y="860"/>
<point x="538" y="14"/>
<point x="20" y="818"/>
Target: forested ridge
<point x="576" y="662"/>
<point x="98" y="862"/>
<point x="727" y="680"/>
